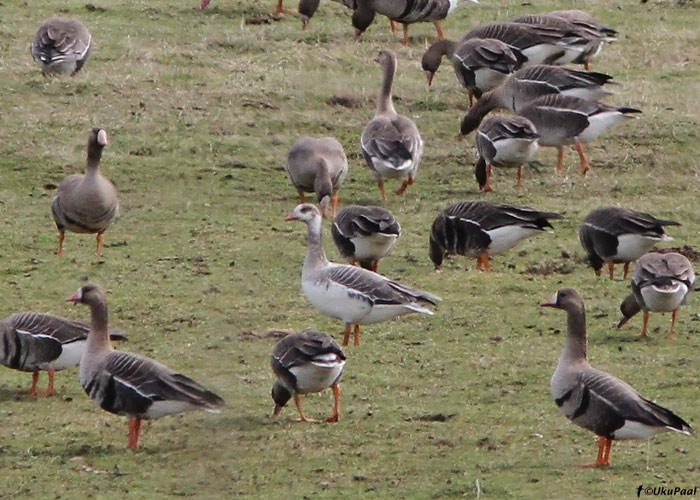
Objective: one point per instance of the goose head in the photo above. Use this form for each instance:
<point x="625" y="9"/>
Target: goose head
<point x="306" y="212"/>
<point x="566" y="299"/>
<point x="280" y="395"/>
<point x="88" y="294"/>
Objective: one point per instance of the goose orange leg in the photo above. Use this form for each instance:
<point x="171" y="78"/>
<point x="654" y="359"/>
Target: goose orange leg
<point x="35" y="381"/>
<point x="380" y="183"/>
<point x="471" y="97"/>
<point x="302" y="417"/>
<point x="346" y="334"/>
<point x="134" y="433"/>
<point x="674" y="316"/>
<point x="625" y="270"/>
<point x="587" y="66"/>
<point x="302" y="197"/>
<point x="644" y="324"/>
<point x="357" y="335"/>
<point x="404" y="186"/>
<point x="611" y="270"/>
<point x="334" y="201"/>
<point x="61" y="239"/>
<point x="50" y="389"/>
<point x="375" y="266"/>
<point x="482" y="262"/>
<point x="521" y="172"/>
<point x="603" y="458"/>
<point x="560" y="160"/>
<point x="487" y="185"/>
<point x="280" y="8"/>
<point x="394" y="28"/>
<point x="336" y="405"/>
<point x="405" y="35"/>
<point x="100" y="238"/>
<point x="585" y="166"/>
<point x="440" y="32"/>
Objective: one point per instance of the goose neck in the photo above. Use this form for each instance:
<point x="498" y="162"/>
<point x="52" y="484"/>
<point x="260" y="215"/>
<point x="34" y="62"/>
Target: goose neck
<point x="98" y="340"/>
<point x="576" y="342"/>
<point x="315" y="256"/>
<point x="384" y="103"/>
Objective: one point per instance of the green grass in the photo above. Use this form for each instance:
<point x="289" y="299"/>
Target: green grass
<point x="201" y="109"/>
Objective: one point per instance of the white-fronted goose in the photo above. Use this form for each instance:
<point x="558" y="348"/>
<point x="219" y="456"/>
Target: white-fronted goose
<point x="34" y="342"/>
<point x="662" y="282"/>
<point x="86" y="203"/>
<point x="391" y="143"/>
<point x="504" y="141"/>
<point x="129" y="384"/>
<point x="352" y="294"/>
<point x="614" y="235"/>
<point x="596" y="400"/>
<point x="481" y="229"/>
<point x="319" y="166"/>
<point x="479" y="64"/>
<point x="365" y="234"/>
<point x="306" y="362"/>
<point x="61" y="46"/>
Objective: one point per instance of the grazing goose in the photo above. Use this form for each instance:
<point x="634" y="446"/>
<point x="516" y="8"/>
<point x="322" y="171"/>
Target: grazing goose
<point x="61" y="46"/>
<point x="613" y="235"/>
<point x="480" y="64"/>
<point x="320" y="166"/>
<point x="365" y="234"/>
<point x="129" y="384"/>
<point x="391" y="143"/>
<point x="596" y="400"/>
<point x="306" y="362"/>
<point x="481" y="229"/>
<point x="33" y="342"/>
<point x="86" y="203"/>
<point x="354" y="295"/>
<point x="504" y="141"/>
<point x="662" y="282"/>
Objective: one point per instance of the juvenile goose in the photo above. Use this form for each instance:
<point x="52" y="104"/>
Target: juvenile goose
<point x="662" y="282"/>
<point x="354" y="295"/>
<point x="481" y="229"/>
<point x="129" y="384"/>
<point x="61" y="46"/>
<point x="365" y="234"/>
<point x="34" y="342"/>
<point x="504" y="141"/>
<point x="479" y="64"/>
<point x="596" y="400"/>
<point x="319" y="166"/>
<point x="306" y="362"/>
<point x="613" y="235"/>
<point x="86" y="203"/>
<point x="391" y="143"/>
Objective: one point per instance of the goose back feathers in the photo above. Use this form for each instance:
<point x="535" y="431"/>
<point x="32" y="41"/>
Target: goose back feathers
<point x="61" y="46"/>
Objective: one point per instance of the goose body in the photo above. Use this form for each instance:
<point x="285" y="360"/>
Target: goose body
<point x="303" y="363"/>
<point x="594" y="399"/>
<point x="365" y="234"/>
<point x="481" y="229"/>
<point x="612" y="235"/>
<point x="352" y="294"/>
<point x="129" y="384"/>
<point x="61" y="46"/>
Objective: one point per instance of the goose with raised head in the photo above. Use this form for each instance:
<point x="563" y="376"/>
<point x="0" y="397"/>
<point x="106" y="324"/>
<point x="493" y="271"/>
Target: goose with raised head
<point x="365" y="235"/>
<point x="319" y="166"/>
<point x="480" y="229"/>
<point x="614" y="235"/>
<point x="34" y="342"/>
<point x="662" y="282"/>
<point x="129" y="384"/>
<point x="61" y="46"/>
<point x="391" y="143"/>
<point x="594" y="399"/>
<point x="303" y="363"/>
<point x="354" y="295"/>
<point x="86" y="203"/>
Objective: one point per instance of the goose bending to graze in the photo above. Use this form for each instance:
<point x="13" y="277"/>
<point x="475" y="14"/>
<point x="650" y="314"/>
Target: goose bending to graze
<point x="504" y="141"/>
<point x="662" y="282"/>
<point x="481" y="229"/>
<point x="365" y="234"/>
<point x="594" y="399"/>
<point x="479" y="64"/>
<point x="306" y="362"/>
<point x="129" y="384"/>
<point x="86" y="203"/>
<point x="614" y="235"/>
<point x="352" y="294"/>
<point x="319" y="166"/>
<point x="391" y="143"/>
<point x="61" y="46"/>
<point x="34" y="342"/>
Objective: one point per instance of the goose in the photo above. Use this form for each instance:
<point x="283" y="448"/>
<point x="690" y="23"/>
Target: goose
<point x="86" y="203"/>
<point x="129" y="384"/>
<point x="307" y="9"/>
<point x="34" y="342"/>
<point x="527" y="84"/>
<point x="391" y="143"/>
<point x="481" y="229"/>
<point x="662" y="282"/>
<point x="479" y="64"/>
<point x="352" y="294"/>
<point x="612" y="235"/>
<point x="365" y="234"/>
<point x="504" y="141"/>
<point x="320" y="166"/>
<point x="594" y="399"/>
<point x="310" y="361"/>
<point x="61" y="46"/>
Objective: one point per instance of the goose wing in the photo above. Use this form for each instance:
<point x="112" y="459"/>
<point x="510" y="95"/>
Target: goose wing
<point x="302" y="348"/>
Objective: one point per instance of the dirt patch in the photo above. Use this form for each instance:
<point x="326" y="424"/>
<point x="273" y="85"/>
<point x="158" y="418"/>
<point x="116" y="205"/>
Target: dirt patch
<point x="345" y="101"/>
<point x="549" y="268"/>
<point x="686" y="251"/>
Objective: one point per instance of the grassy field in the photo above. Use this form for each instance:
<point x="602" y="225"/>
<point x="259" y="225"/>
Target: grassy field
<point x="201" y="269"/>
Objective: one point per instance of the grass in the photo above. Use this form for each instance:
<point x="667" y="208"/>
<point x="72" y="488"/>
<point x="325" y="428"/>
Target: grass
<point x="201" y="109"/>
